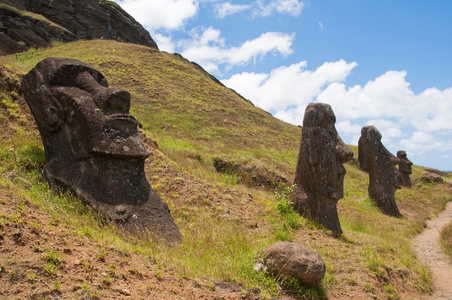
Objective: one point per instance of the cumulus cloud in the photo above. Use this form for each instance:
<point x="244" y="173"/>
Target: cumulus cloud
<point x="261" y="8"/>
<point x="165" y="43"/>
<point x="161" y="14"/>
<point x="264" y="9"/>
<point x="287" y="90"/>
<point x="417" y="123"/>
<point x="225" y="9"/>
<point x="207" y="48"/>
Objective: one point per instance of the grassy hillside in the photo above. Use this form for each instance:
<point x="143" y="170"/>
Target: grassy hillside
<point x="53" y="245"/>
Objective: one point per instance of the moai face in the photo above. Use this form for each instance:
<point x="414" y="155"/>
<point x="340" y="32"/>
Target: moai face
<point x="72" y="100"/>
<point x="327" y="152"/>
<point x="404" y="164"/>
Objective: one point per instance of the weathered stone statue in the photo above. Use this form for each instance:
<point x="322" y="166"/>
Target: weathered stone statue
<point x="92" y="145"/>
<point x="320" y="175"/>
<point x="380" y="164"/>
<point x="403" y="176"/>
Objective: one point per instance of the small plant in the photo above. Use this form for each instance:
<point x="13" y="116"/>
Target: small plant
<point x="51" y="269"/>
<point x="107" y="279"/>
<point x="31" y="277"/>
<point x="369" y="289"/>
<point x="57" y="286"/>
<point x="391" y="292"/>
<point x="52" y="258"/>
<point x="446" y="239"/>
<point x="286" y="207"/>
<point x="102" y="254"/>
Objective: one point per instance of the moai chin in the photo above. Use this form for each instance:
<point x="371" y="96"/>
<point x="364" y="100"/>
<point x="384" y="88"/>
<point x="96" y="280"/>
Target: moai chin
<point x="93" y="147"/>
<point x="380" y="164"/>
<point x="320" y="174"/>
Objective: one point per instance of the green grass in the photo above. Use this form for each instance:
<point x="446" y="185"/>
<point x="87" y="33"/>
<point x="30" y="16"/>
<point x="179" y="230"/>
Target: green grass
<point x="446" y="239"/>
<point x="225" y="223"/>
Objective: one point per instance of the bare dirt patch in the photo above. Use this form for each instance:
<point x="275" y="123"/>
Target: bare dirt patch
<point x="428" y="251"/>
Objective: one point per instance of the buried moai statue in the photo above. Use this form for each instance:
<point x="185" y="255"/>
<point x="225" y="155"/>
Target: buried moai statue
<point x="93" y="147"/>
<point x="403" y="176"/>
<point x="320" y="174"/>
<point x="380" y="164"/>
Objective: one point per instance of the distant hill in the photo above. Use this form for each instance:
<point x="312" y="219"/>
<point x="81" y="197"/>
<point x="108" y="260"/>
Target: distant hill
<point x="39" y="23"/>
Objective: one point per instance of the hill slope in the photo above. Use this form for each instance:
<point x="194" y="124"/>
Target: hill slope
<point x="41" y="23"/>
<point x="191" y="124"/>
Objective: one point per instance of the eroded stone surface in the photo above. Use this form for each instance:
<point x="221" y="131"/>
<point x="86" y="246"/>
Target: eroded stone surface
<point x="286" y="259"/>
<point x="403" y="175"/>
<point x="380" y="163"/>
<point x="92" y="145"/>
<point x="320" y="174"/>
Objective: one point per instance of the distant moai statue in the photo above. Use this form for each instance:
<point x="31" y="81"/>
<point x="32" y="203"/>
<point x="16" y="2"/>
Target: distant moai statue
<point x="320" y="174"/>
<point x="380" y="164"/>
<point x="403" y="176"/>
<point x="93" y="147"/>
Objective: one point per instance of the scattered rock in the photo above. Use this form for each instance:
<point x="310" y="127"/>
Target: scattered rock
<point x="440" y="173"/>
<point x="380" y="163"/>
<point x="432" y="178"/>
<point x="250" y="174"/>
<point x="285" y="259"/>
<point x="227" y="287"/>
<point x="320" y="174"/>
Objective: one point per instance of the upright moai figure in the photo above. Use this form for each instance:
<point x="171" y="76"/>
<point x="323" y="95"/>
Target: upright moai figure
<point x="92" y="145"/>
<point x="403" y="176"/>
<point x="320" y="174"/>
<point x="380" y="164"/>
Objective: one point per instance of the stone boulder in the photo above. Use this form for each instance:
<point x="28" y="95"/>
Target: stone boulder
<point x="286" y="259"/>
<point x="432" y="178"/>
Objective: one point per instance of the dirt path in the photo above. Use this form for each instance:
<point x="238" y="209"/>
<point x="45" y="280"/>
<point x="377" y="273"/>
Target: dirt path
<point x="428" y="251"/>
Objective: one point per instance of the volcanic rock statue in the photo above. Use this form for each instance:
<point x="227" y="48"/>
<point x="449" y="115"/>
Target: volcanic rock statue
<point x="380" y="164"/>
<point x="319" y="175"/>
<point x="92" y="145"/>
<point x="403" y="176"/>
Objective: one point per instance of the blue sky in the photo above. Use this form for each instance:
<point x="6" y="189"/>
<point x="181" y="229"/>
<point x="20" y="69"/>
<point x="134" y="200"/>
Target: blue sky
<point x="383" y="63"/>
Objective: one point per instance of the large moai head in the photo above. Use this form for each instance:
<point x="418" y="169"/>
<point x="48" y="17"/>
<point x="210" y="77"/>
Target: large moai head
<point x="92" y="144"/>
<point x="403" y="176"/>
<point x="320" y="174"/>
<point x="380" y="164"/>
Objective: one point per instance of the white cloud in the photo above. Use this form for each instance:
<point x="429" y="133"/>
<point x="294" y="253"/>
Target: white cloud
<point x="421" y="142"/>
<point x="208" y="49"/>
<point x="261" y="8"/>
<point x="165" y="43"/>
<point x="288" y="86"/>
<point x="225" y="9"/>
<point x="386" y="102"/>
<point x="293" y="7"/>
<point x="161" y="14"/>
<point x="321" y="26"/>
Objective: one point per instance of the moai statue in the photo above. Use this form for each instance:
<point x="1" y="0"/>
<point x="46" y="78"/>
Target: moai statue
<point x="403" y="176"/>
<point x="380" y="164"/>
<point x="320" y="174"/>
<point x="93" y="147"/>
